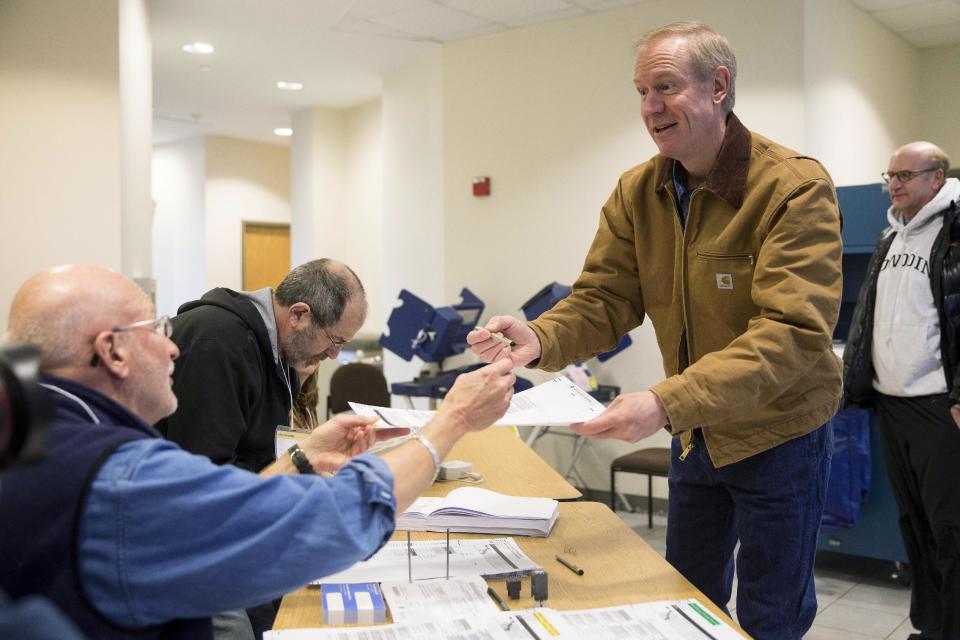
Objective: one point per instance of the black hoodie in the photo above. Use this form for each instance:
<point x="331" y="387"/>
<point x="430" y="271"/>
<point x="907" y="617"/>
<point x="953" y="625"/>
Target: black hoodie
<point x="231" y="392"/>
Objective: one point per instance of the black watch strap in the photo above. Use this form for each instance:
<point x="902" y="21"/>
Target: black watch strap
<point x="300" y="460"/>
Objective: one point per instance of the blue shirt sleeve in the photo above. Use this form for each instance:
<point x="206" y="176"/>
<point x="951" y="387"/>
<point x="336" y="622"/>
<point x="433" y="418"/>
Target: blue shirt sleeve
<point x="165" y="534"/>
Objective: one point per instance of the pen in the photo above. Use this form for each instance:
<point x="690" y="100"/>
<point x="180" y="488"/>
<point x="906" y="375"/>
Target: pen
<point x="496" y="598"/>
<point x="569" y="565"/>
<point x="499" y="338"/>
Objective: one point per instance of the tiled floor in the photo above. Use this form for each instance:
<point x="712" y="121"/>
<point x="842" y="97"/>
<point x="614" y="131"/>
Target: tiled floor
<point x="857" y="599"/>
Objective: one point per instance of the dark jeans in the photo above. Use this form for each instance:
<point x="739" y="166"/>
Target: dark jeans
<point x="772" y="503"/>
<point x="921" y="446"/>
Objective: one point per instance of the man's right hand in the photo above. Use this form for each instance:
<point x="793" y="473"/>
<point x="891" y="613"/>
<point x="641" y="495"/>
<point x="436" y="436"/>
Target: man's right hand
<point x="527" y="347"/>
<point x="479" y="398"/>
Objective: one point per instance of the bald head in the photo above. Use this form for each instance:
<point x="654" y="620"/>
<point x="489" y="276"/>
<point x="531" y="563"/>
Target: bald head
<point x="917" y="171"/>
<point x="62" y="309"/>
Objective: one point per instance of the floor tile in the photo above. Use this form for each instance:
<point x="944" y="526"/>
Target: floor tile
<point x="830" y="589"/>
<point x="883" y="597"/>
<point x="903" y="631"/>
<point x="870" y="622"/>
<point x="826" y="633"/>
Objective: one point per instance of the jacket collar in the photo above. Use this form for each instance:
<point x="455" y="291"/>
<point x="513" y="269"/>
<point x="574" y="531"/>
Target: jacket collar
<point x="728" y="177"/>
<point x="75" y="402"/>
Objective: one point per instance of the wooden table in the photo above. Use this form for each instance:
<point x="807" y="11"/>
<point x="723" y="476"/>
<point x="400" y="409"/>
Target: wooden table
<point x="619" y="568"/>
<point x="508" y="466"/>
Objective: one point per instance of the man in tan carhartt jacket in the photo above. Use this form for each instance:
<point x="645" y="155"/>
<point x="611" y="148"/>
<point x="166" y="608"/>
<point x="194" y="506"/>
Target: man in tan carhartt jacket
<point x="730" y="243"/>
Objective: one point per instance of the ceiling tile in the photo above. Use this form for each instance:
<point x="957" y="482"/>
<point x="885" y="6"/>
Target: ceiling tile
<point x="349" y="24"/>
<point x="507" y="10"/>
<point x="921" y="16"/>
<point x="604" y="5"/>
<point x="372" y="8"/>
<point x="431" y="21"/>
<point x="882" y="5"/>
<point x="934" y="36"/>
<point x="569" y="12"/>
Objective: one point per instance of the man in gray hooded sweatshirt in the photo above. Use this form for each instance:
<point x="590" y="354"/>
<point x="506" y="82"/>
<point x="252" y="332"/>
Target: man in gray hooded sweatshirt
<point x="902" y="358"/>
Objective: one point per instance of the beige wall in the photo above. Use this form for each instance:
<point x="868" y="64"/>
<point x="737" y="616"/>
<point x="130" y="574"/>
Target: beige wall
<point x="939" y="98"/>
<point x="179" y="237"/>
<point x="60" y="156"/>
<point x="245" y="181"/>
<point x="862" y="93"/>
<point x="413" y="214"/>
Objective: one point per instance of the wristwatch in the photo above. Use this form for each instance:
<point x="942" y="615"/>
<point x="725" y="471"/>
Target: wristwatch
<point x="300" y="460"/>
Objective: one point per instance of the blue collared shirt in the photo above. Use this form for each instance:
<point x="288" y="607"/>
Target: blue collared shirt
<point x="683" y="193"/>
<point x="166" y="534"/>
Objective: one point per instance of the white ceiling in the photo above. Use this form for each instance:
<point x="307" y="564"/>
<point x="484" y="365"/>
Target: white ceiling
<point x="923" y="23"/>
<point x="341" y="49"/>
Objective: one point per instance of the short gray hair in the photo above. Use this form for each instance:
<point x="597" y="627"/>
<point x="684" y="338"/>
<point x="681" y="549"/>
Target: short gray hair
<point x="58" y="336"/>
<point x="939" y="160"/>
<point x="708" y="50"/>
<point x="324" y="285"/>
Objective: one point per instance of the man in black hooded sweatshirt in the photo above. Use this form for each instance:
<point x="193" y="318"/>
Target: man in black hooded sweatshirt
<point x="236" y="378"/>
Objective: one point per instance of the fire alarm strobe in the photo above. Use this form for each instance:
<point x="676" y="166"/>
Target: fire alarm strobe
<point x="481" y="186"/>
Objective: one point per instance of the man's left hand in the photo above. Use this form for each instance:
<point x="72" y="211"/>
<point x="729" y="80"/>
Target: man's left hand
<point x="342" y="437"/>
<point x="630" y="417"/>
<point x="955" y="412"/>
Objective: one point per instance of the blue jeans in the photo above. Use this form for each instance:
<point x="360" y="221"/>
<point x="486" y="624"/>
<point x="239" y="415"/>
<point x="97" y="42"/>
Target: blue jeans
<point x="772" y="503"/>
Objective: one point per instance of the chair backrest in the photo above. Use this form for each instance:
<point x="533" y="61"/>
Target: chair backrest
<point x="357" y="382"/>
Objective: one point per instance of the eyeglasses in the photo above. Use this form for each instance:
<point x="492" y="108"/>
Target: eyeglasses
<point x="161" y="326"/>
<point x="337" y="342"/>
<point x="903" y="176"/>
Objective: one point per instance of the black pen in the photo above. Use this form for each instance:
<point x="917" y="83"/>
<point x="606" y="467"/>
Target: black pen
<point x="569" y="565"/>
<point x="496" y="598"/>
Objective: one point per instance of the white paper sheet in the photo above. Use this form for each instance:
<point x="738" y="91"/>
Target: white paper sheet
<point x="558" y="402"/>
<point x="438" y="599"/>
<point x="491" y="557"/>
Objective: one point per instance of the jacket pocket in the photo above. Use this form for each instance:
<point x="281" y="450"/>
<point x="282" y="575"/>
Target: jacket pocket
<point x="721" y="303"/>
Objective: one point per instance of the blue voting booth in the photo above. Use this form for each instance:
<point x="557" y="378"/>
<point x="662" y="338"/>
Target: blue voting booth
<point x="416" y="328"/>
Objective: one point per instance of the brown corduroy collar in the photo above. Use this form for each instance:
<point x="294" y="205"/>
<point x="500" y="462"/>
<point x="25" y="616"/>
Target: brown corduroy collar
<point x="728" y="177"/>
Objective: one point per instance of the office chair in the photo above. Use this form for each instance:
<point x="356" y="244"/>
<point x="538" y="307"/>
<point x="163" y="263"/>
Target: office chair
<point x="357" y="382"/>
<point x="654" y="461"/>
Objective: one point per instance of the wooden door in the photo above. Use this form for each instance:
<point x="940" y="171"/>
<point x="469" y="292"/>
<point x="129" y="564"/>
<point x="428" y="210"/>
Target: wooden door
<point x="266" y="254"/>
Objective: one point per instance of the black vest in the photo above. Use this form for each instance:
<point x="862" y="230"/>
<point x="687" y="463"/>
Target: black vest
<point x="41" y="507"/>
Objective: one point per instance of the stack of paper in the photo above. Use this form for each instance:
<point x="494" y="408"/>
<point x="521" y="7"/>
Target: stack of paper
<point x="473" y="510"/>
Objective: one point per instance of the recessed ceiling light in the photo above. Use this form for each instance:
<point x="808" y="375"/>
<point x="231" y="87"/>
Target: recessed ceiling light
<point x="290" y="86"/>
<point x="286" y="132"/>
<point x="201" y="48"/>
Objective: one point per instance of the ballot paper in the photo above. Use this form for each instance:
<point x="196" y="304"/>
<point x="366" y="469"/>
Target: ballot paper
<point x="438" y="599"/>
<point x="490" y="557"/>
<point x="664" y="620"/>
<point x="558" y="402"/>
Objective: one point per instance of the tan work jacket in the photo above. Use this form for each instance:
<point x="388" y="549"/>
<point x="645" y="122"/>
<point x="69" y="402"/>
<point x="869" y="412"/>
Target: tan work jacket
<point x="743" y="299"/>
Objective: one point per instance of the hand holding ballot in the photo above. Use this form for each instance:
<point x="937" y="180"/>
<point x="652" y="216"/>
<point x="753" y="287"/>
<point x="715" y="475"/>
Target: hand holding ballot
<point x="485" y="343"/>
<point x="480" y="398"/>
<point x="334" y="442"/>
<point x="630" y="417"/>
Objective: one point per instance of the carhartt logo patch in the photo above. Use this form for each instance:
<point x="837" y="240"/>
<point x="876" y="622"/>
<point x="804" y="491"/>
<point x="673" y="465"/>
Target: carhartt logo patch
<point x="724" y="281"/>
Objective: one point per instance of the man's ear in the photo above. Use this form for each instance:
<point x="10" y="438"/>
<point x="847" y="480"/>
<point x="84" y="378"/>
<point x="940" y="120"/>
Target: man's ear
<point x="298" y="313"/>
<point x="721" y="84"/>
<point x="113" y="356"/>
